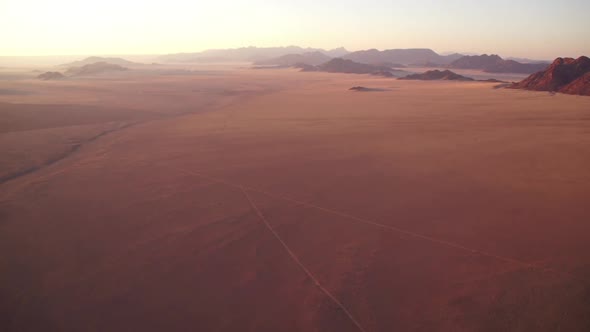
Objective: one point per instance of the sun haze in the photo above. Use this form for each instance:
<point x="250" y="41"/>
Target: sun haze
<point x="528" y="28"/>
<point x="294" y="166"/>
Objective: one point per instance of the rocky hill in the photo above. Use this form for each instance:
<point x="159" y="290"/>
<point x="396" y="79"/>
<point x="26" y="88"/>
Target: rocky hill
<point x="339" y="65"/>
<point x="250" y="54"/>
<point x="566" y="75"/>
<point x="475" y="61"/>
<point x="580" y="86"/>
<point x="95" y="59"/>
<point x="51" y="75"/>
<point x="309" y="58"/>
<point x="433" y="75"/>
<point x="95" y="68"/>
<point x="495" y="64"/>
<point x="416" y="56"/>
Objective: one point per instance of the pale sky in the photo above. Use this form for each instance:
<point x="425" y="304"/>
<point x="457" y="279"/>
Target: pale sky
<point x="539" y="29"/>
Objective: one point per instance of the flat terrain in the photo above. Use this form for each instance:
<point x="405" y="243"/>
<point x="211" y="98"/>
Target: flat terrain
<point x="272" y="200"/>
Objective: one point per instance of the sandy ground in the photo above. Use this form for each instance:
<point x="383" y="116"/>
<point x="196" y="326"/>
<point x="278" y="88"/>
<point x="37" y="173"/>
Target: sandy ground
<point x="280" y="201"/>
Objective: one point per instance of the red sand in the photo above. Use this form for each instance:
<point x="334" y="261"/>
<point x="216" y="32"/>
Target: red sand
<point x="430" y="206"/>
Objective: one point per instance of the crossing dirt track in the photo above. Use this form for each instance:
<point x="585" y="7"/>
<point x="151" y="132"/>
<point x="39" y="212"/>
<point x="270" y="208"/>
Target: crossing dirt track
<point x="273" y="200"/>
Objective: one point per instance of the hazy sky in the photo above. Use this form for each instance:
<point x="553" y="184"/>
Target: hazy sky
<point x="532" y="28"/>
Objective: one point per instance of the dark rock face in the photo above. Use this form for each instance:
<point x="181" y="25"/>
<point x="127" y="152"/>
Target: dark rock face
<point x="566" y="75"/>
<point x="580" y="86"/>
<point x="433" y="75"/>
<point x="95" y="68"/>
<point x="495" y="64"/>
<point x="50" y="75"/>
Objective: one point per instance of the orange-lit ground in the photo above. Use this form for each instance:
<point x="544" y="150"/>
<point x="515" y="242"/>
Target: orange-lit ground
<point x="430" y="206"/>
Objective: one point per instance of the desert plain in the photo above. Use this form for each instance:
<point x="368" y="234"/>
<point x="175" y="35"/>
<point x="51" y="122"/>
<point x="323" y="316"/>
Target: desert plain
<point x="233" y="199"/>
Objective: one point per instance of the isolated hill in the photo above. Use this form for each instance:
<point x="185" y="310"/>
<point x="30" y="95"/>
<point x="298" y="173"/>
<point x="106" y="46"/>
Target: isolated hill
<point x="339" y="65"/>
<point x="475" y="61"/>
<point x="309" y="58"/>
<point x="401" y="56"/>
<point x="95" y="68"/>
<point x="345" y="66"/>
<point x="527" y="60"/>
<point x="246" y="54"/>
<point x="51" y="75"/>
<point x="511" y="66"/>
<point x="337" y="52"/>
<point x="95" y="59"/>
<point x="305" y="67"/>
<point x="566" y="75"/>
<point x="365" y="89"/>
<point x="495" y="64"/>
<point x="432" y="75"/>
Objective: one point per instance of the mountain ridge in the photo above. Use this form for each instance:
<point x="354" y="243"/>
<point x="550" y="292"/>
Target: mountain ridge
<point x="565" y="75"/>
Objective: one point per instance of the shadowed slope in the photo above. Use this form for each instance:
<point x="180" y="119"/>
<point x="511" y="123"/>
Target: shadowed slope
<point x="566" y="75"/>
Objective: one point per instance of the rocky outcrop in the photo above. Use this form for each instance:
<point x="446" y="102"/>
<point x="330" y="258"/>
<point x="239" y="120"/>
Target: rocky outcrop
<point x="94" y="59"/>
<point x="437" y="75"/>
<point x="495" y="64"/>
<point x="401" y="56"/>
<point x="51" y="75"/>
<point x="95" y="68"/>
<point x="580" y="86"/>
<point x="566" y="75"/>
<point x="340" y="65"/>
<point x="310" y="58"/>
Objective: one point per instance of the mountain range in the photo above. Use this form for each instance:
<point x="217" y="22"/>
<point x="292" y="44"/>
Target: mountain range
<point x="247" y="54"/>
<point x="395" y="58"/>
<point x="416" y="56"/>
<point x="346" y="66"/>
<point x="495" y="64"/>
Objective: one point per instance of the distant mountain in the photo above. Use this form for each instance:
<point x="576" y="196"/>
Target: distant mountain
<point x="476" y="61"/>
<point x="309" y="58"/>
<point x="246" y="54"/>
<point x="305" y="67"/>
<point x="95" y="68"/>
<point x="433" y="75"/>
<point x="337" y="52"/>
<point x="526" y="60"/>
<point x="495" y="64"/>
<point x="51" y="75"/>
<point x="95" y="59"/>
<point x="339" y="65"/>
<point x="511" y="66"/>
<point x="345" y="66"/>
<point x="401" y="56"/>
<point x="566" y="75"/>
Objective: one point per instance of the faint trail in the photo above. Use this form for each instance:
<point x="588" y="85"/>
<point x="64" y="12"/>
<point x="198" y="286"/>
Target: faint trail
<point x="296" y="260"/>
<point x="73" y="149"/>
<point x="427" y="238"/>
